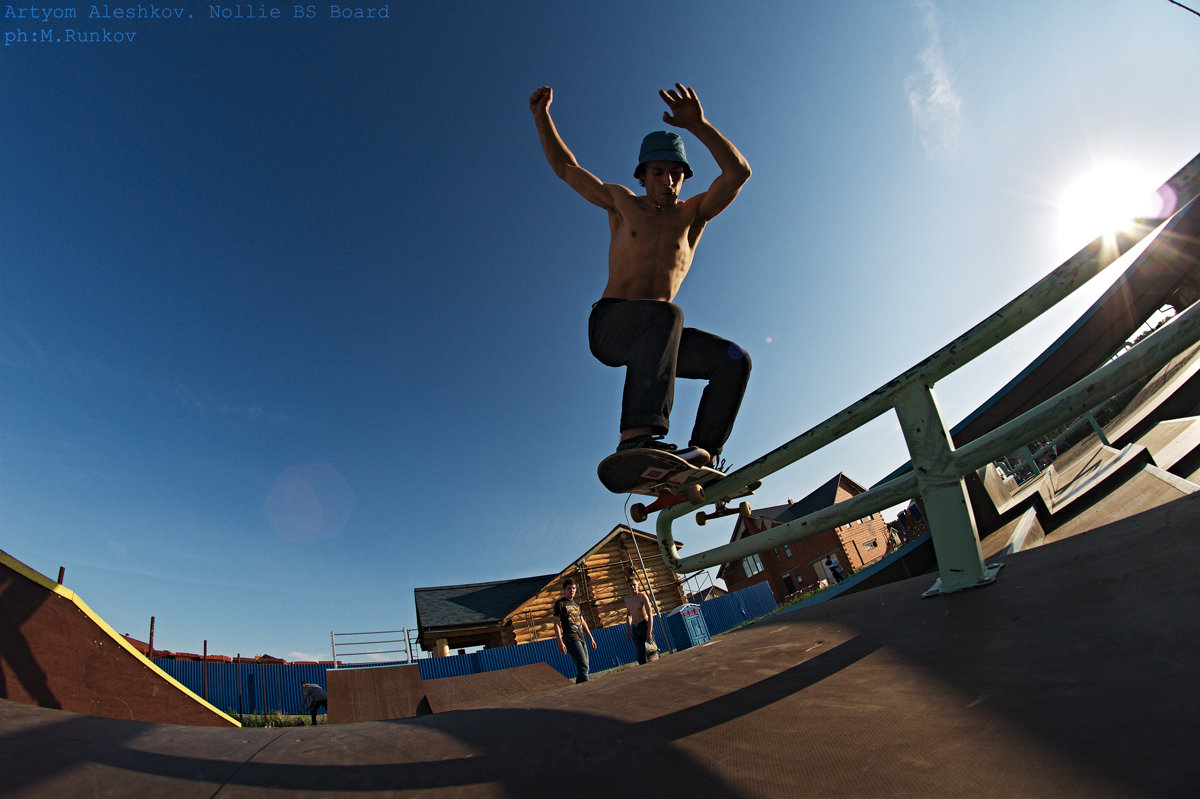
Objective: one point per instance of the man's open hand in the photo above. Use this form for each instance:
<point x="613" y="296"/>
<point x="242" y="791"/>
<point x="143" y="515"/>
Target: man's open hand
<point x="684" y="104"/>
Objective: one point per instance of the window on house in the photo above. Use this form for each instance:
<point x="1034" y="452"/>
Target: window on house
<point x="787" y="551"/>
<point x="752" y="565"/>
<point x="871" y="544"/>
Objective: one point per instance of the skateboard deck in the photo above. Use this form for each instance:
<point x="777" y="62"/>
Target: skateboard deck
<point x="662" y="474"/>
<point x="651" y="472"/>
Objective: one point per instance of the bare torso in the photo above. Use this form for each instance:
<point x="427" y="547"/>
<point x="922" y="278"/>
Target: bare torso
<point x="651" y="249"/>
<point x="636" y="605"/>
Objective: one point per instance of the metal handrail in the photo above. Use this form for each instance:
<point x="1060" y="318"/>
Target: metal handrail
<point x="406" y="639"/>
<point x="938" y="467"/>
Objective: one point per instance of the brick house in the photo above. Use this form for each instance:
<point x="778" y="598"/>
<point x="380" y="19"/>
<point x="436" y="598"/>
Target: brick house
<point x="800" y="566"/>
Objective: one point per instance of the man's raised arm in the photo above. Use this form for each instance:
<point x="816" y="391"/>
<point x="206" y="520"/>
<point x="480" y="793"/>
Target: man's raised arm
<point x="686" y="112"/>
<point x="562" y="161"/>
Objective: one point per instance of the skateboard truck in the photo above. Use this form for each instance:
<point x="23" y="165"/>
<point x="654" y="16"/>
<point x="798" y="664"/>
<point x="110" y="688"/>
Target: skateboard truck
<point x="743" y="510"/>
<point x="695" y="495"/>
<point x="639" y="512"/>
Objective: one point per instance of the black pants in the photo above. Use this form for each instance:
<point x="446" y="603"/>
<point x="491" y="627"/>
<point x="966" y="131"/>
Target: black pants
<point x="640" y="631"/>
<point x="315" y="707"/>
<point x="648" y="338"/>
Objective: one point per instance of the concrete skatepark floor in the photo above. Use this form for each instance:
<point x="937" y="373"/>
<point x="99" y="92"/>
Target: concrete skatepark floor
<point x="1075" y="673"/>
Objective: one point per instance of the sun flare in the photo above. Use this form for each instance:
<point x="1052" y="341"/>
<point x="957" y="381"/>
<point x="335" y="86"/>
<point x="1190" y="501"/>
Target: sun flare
<point x="1104" y="201"/>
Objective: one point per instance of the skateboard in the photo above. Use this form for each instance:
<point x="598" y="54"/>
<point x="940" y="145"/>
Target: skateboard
<point x="667" y="477"/>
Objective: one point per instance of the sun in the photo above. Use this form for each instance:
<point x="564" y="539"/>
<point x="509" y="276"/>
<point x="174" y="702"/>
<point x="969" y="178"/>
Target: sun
<point x="1104" y="201"/>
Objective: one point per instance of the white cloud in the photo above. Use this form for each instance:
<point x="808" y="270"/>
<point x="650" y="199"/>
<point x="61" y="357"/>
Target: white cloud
<point x="933" y="99"/>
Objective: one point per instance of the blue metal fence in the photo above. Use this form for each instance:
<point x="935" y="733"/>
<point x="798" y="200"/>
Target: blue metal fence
<point x="726" y="612"/>
<point x="264" y="688"/>
<point x="258" y="688"/>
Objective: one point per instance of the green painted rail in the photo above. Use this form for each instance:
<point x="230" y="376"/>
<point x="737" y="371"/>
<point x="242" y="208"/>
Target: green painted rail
<point x="938" y="468"/>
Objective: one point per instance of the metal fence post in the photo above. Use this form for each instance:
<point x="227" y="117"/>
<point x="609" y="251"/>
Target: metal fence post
<point x="1097" y="429"/>
<point x="947" y="507"/>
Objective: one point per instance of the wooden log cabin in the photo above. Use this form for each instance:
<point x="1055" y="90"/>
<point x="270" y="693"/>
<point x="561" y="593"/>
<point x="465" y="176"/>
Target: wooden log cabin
<point x="518" y="611"/>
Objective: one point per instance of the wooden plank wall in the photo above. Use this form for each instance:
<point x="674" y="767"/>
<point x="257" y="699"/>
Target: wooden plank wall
<point x="602" y="580"/>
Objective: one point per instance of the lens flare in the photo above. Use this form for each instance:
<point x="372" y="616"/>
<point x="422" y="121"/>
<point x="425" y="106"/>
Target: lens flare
<point x="1105" y="200"/>
<point x="310" y="502"/>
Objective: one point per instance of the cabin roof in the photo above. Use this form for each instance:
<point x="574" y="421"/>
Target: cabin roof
<point x="475" y="603"/>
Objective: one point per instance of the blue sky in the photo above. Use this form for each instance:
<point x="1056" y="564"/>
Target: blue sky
<point x="292" y="313"/>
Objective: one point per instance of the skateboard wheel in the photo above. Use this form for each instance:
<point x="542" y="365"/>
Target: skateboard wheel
<point x="744" y="509"/>
<point x="695" y="494"/>
<point x="638" y="513"/>
<point x="701" y="518"/>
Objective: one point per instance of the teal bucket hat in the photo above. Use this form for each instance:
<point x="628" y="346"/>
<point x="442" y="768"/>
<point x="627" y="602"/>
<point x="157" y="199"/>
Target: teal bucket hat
<point x="662" y="145"/>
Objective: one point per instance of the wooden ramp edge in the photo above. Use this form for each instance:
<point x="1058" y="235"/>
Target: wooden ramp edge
<point x="59" y="654"/>
<point x="472" y="691"/>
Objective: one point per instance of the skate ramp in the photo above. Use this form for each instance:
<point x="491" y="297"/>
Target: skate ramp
<point x="398" y="692"/>
<point x="1167" y="271"/>
<point x="1170" y="262"/>
<point x="485" y="689"/>
<point x="57" y="653"/>
<point x="1048" y="682"/>
<point x="1173" y="444"/>
<point x="373" y="694"/>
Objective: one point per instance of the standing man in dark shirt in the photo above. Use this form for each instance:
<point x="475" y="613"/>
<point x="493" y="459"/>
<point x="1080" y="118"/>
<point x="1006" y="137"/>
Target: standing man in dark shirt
<point x="569" y="629"/>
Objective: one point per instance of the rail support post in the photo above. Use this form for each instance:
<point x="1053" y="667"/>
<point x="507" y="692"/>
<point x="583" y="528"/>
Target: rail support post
<point x="947" y="507"/>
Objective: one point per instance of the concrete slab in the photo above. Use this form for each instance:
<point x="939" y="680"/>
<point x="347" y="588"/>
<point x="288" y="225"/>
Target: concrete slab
<point x="1098" y="475"/>
<point x="1023" y="532"/>
<point x="1172" y="441"/>
<point x="1149" y="488"/>
<point x="1006" y="496"/>
<point x="1143" y="411"/>
<point x="1070" y="479"/>
<point x="1074" y="674"/>
<point x="1080" y="461"/>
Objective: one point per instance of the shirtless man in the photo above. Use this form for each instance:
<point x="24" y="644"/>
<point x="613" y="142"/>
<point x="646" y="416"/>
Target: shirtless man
<point x="653" y="240"/>
<point x="639" y="617"/>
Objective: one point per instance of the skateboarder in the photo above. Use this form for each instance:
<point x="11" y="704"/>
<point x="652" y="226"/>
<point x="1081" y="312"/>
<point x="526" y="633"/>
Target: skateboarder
<point x="635" y="324"/>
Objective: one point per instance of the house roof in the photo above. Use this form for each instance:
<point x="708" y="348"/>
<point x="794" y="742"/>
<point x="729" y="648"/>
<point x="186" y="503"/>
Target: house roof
<point x="823" y="497"/>
<point x="647" y="539"/>
<point x="476" y="603"/>
<point x="483" y="604"/>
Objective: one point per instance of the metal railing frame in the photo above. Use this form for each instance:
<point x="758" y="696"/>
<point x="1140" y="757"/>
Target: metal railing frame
<point x="405" y="639"/>
<point x="937" y="467"/>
